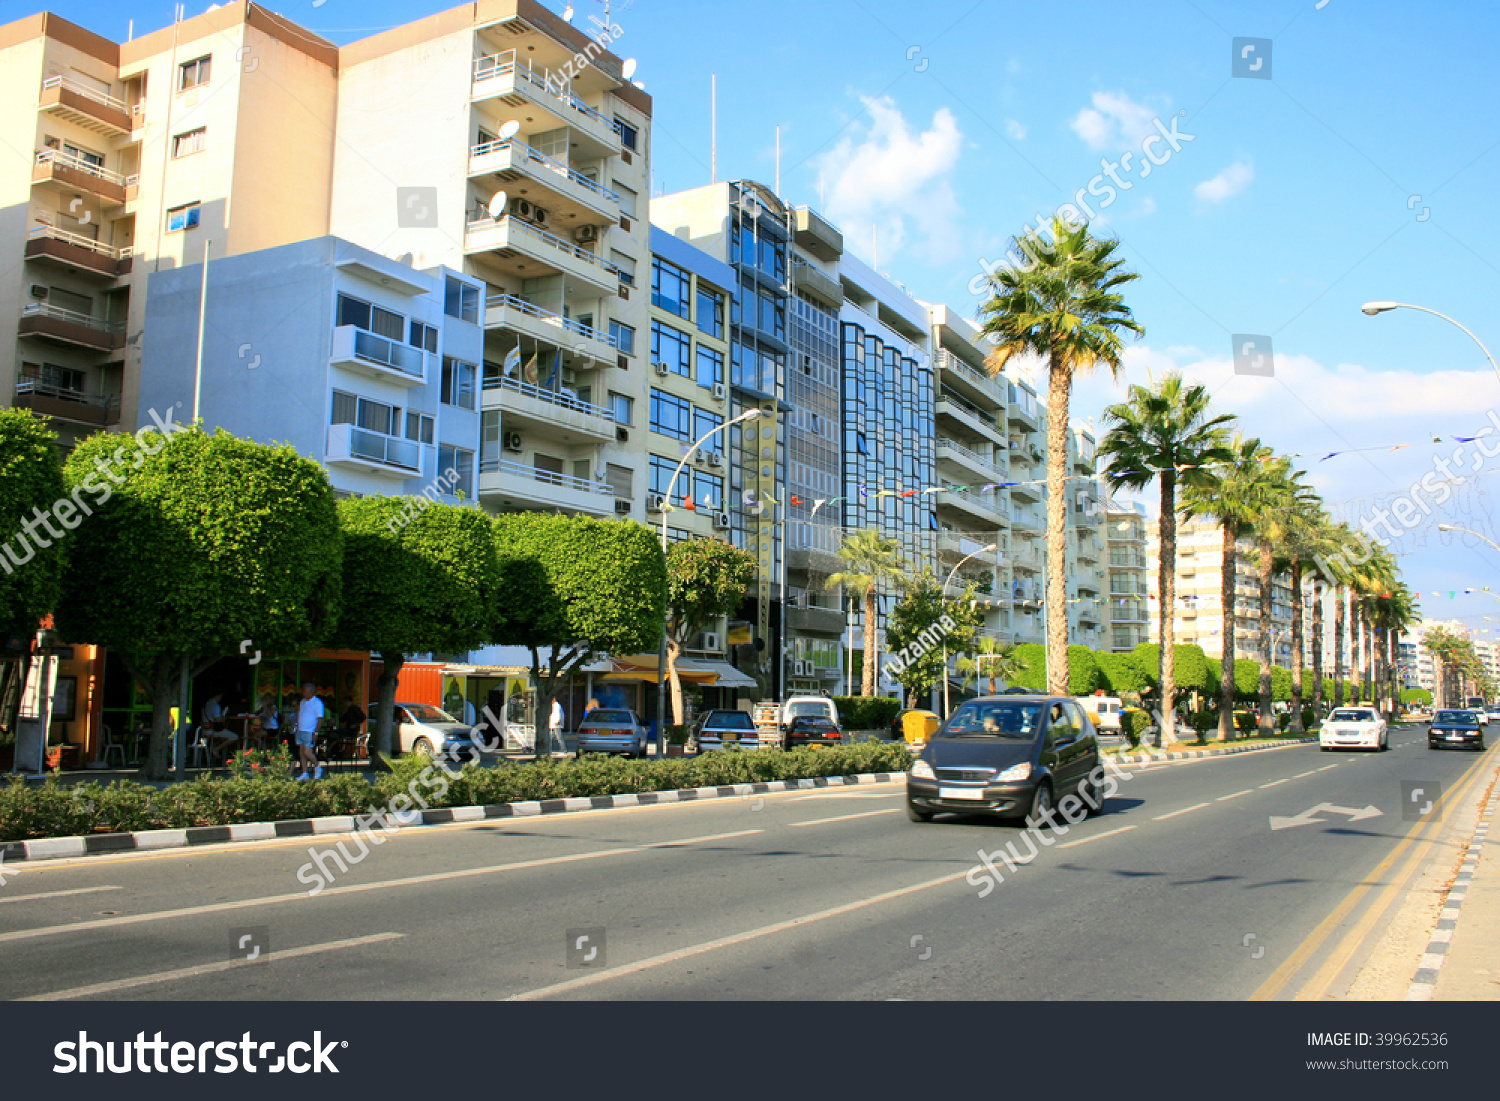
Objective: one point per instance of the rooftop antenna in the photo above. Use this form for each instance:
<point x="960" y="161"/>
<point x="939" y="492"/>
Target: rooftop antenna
<point x="713" y="128"/>
<point x="778" y="161"/>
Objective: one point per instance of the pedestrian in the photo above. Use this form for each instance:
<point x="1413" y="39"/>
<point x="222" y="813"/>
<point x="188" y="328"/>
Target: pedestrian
<point x="215" y="735"/>
<point x="310" y="714"/>
<point x="556" y="725"/>
<point x="592" y="704"/>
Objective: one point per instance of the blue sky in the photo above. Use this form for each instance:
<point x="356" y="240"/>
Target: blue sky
<point x="941" y="130"/>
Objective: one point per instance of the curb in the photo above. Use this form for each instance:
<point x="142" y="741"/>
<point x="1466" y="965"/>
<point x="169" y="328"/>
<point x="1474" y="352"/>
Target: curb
<point x="1193" y="754"/>
<point x="1424" y="983"/>
<point x="53" y="848"/>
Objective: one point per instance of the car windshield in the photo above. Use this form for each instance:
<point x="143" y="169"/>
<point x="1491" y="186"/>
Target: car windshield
<point x="806" y="707"/>
<point x="601" y="715"/>
<point x="1459" y="718"/>
<point x="426" y="713"/>
<point x="995" y="720"/>
<point x="1351" y="715"/>
<point x="730" y="720"/>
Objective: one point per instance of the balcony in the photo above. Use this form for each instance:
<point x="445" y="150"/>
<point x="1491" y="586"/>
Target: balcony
<point x="976" y="385"/>
<point x="567" y="194"/>
<point x="516" y="89"/>
<point x="1127" y="561"/>
<point x="987" y="508"/>
<point x="816" y="235"/>
<point x="1025" y="557"/>
<point x="956" y="546"/>
<point x="66" y="327"/>
<point x="1131" y="611"/>
<point x="957" y="453"/>
<point x="815" y="621"/>
<point x="558" y="413"/>
<point x="374" y="452"/>
<point x="826" y="289"/>
<point x="83" y="106"/>
<point x="54" y="168"/>
<point x="77" y="252"/>
<point x="506" y="311"/>
<point x="975" y="421"/>
<point x="363" y="352"/>
<point x="1022" y="408"/>
<point x="1027" y="521"/>
<point x="67" y="405"/>
<point x="502" y="482"/>
<point x="521" y="249"/>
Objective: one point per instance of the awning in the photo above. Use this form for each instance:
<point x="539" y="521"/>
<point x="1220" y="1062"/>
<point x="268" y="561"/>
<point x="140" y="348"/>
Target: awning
<point x="643" y="667"/>
<point x="729" y="676"/>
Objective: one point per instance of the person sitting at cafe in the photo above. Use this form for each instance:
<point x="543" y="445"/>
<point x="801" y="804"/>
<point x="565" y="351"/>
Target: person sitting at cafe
<point x="350" y="723"/>
<point x="218" y="738"/>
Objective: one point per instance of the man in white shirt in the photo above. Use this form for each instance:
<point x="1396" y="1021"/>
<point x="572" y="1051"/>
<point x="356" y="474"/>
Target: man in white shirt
<point x="309" y="716"/>
<point x="556" y="725"/>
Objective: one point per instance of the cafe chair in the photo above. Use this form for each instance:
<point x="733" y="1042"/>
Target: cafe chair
<point x="113" y="742"/>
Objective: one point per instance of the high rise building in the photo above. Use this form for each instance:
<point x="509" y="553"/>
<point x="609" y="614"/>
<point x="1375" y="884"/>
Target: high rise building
<point x="1127" y="608"/>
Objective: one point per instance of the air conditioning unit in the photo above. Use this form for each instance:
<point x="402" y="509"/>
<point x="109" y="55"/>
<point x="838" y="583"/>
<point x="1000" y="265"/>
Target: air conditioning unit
<point x="716" y="458"/>
<point x="721" y="521"/>
<point x="662" y="368"/>
<point x="710" y="641"/>
<point x="655" y="502"/>
<point x="624" y="292"/>
<point x="513" y="441"/>
<point x="38" y="292"/>
<point x="721" y="392"/>
<point x="622" y="435"/>
<point x="530" y="212"/>
<point x="801" y="668"/>
<point x="586" y="235"/>
<point x="622" y="506"/>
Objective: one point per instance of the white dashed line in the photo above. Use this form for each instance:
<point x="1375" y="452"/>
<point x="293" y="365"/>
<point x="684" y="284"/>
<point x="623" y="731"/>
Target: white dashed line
<point x="1273" y="783"/>
<point x="1097" y="837"/>
<point x="1175" y="813"/>
<point x="1236" y="795"/>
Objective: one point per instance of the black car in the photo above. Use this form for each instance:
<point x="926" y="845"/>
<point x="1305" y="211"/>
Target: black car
<point x="1010" y="756"/>
<point x="812" y="730"/>
<point x="1455" y="728"/>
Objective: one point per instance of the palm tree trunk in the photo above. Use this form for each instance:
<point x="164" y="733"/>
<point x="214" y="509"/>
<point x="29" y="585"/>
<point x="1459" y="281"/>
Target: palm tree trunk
<point x="1296" y="723"/>
<point x="1338" y="646"/>
<point x="1317" y="648"/>
<point x="867" y="684"/>
<point x="674" y="651"/>
<point x="1227" y="564"/>
<point x="1167" y="585"/>
<point x="1265" y="725"/>
<point x="1059" y="385"/>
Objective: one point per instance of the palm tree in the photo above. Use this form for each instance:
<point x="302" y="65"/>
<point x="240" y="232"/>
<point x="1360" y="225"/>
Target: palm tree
<point x="1273" y="529"/>
<point x="1164" y="433"/>
<point x="1065" y="309"/>
<point x="1000" y="662"/>
<point x="1394" y="613"/>
<point x="1298" y="550"/>
<point x="870" y="559"/>
<point x="1238" y="495"/>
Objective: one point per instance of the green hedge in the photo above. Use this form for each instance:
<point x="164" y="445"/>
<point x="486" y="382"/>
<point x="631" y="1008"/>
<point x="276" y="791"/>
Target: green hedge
<point x="52" y="810"/>
<point x="1133" y="724"/>
<point x="866" y="712"/>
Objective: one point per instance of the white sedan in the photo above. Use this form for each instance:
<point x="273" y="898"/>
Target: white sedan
<point x="1353" y="728"/>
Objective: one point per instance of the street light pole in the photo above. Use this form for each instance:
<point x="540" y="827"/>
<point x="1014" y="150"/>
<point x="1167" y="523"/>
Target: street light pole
<point x="661" y="660"/>
<point x="946" y="583"/>
<point x="1468" y="531"/>
<point x="1373" y="308"/>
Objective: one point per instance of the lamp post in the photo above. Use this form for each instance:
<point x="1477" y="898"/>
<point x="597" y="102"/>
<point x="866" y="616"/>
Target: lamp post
<point x="1468" y="531"/>
<point x="1373" y="308"/>
<point x="946" y="583"/>
<point x="661" y="661"/>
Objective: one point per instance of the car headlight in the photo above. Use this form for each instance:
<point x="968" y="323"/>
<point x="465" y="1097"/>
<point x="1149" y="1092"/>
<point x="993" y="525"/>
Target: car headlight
<point x="1015" y="772"/>
<point x="923" y="771"/>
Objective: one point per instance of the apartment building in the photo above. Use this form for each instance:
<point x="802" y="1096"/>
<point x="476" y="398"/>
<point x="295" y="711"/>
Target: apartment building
<point x="1127" y="610"/>
<point x="1026" y="445"/>
<point x="1086" y="544"/>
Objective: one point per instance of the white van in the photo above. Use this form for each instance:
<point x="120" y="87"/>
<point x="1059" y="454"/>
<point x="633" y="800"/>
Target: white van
<point x="1104" y="710"/>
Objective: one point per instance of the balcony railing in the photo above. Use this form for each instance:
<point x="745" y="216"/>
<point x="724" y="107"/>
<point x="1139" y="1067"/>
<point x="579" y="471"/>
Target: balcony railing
<point x="78" y="164"/>
<point x="511" y="302"/>
<point x="101" y="98"/>
<point x="950" y="362"/>
<point x="545" y="477"/>
<point x="78" y="240"/>
<point x="485" y="148"/>
<point x="347" y="441"/>
<point x="72" y="317"/>
<point x="1128" y="561"/>
<point x="513" y="227"/>
<point x="973" y="456"/>
<point x="387" y="353"/>
<point x="541" y="393"/>
<point x="556" y="85"/>
<point x="66" y="404"/>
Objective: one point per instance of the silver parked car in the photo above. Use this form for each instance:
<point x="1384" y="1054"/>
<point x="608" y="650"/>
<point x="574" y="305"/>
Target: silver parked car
<point x="726" y="729"/>
<point x="426" y="730"/>
<point x="612" y="730"/>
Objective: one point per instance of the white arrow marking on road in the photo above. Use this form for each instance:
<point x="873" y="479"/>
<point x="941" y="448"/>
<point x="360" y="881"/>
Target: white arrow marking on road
<point x="1306" y="817"/>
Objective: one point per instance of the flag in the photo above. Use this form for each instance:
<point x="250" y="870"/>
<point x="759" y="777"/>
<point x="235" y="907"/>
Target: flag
<point x="555" y="382"/>
<point x="796" y="500"/>
<point x="512" y="361"/>
<point x="910" y="493"/>
<point x="530" y="371"/>
<point x="687" y="502"/>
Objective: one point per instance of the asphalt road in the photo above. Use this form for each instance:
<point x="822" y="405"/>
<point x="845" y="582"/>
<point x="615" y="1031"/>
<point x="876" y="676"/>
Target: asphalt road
<point x="1182" y="889"/>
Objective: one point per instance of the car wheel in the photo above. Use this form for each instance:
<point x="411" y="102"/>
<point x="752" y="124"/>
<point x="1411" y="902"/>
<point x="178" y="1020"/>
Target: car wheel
<point x="1041" y="804"/>
<point x="917" y="815"/>
<point x="421" y="748"/>
<point x="1480" y="745"/>
<point x="1095" y="806"/>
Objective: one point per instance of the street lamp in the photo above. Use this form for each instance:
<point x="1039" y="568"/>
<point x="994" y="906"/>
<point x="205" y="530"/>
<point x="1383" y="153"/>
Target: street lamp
<point x="661" y="660"/>
<point x="946" y="583"/>
<point x="1373" y="308"/>
<point x="1467" y="531"/>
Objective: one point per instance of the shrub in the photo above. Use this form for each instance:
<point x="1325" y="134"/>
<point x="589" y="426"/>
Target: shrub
<point x="1309" y="718"/>
<point x="1283" y="721"/>
<point x="1133" y="724"/>
<point x="866" y="712"/>
<point x="1203" y="721"/>
<point x="1244" y="720"/>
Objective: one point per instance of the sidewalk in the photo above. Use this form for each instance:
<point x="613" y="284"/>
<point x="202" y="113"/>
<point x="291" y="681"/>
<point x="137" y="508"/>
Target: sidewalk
<point x="1462" y="962"/>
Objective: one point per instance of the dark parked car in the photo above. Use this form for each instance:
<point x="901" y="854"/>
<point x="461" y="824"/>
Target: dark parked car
<point x="727" y="729"/>
<point x="812" y="730"/>
<point x="1009" y="756"/>
<point x="1455" y="728"/>
<point x="612" y="730"/>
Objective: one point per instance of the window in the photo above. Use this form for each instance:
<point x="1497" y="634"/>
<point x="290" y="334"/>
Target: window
<point x="362" y="315"/>
<point x="672" y="347"/>
<point x="68" y="300"/>
<point x="671" y="416"/>
<point x="461" y="300"/>
<point x="708" y="491"/>
<point x="621" y="479"/>
<point x="710" y="312"/>
<point x="628" y="136"/>
<point x="418" y="427"/>
<point x="627" y="198"/>
<point x="191" y="142"/>
<point x="670" y="287"/>
<point x="462" y="462"/>
<point x="622" y="407"/>
<point x="623" y="336"/>
<point x="424" y="336"/>
<point x="703" y="424"/>
<point x="710" y="366"/>
<point x="458" y="383"/>
<point x="345" y="408"/>
<point x="192" y="74"/>
<point x="372" y="415"/>
<point x="624" y="265"/>
<point x="182" y="217"/>
<point x="661" y="475"/>
<point x="59" y="378"/>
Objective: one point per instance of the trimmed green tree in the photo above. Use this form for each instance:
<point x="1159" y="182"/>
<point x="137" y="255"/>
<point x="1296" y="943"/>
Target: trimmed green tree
<point x="572" y="589"/>
<point x="706" y="579"/>
<point x="413" y="582"/>
<point x="202" y="542"/>
<point x="923" y="628"/>
<point x="1120" y="673"/>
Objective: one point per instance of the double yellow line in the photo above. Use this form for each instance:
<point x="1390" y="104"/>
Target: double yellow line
<point x="1421" y="847"/>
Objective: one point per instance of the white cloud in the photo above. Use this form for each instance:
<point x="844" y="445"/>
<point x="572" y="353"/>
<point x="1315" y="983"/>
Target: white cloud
<point x="1226" y="184"/>
<point x="1113" y="121"/>
<point x="893" y="179"/>
<point x="1015" y="130"/>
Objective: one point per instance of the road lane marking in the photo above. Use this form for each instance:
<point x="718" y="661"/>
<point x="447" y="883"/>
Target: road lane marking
<point x="1236" y="795"/>
<point x="56" y="894"/>
<point x="1300" y="775"/>
<point x="853" y="794"/>
<point x="1325" y="768"/>
<point x="356" y="888"/>
<point x="1184" y="810"/>
<point x="845" y="817"/>
<point x="204" y="969"/>
<point x="729" y="941"/>
<point x="1273" y="783"/>
<point x="1098" y="837"/>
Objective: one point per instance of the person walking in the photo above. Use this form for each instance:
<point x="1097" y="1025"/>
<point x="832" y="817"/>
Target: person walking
<point x="309" y="716"/>
<point x="556" y="726"/>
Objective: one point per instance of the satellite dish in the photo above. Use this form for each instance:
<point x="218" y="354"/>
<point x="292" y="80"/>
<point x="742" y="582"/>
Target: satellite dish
<point x="509" y="130"/>
<point x="567" y="15"/>
<point x="627" y="70"/>
<point x="497" y="204"/>
<point x="406" y="258"/>
<point x="641" y="84"/>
